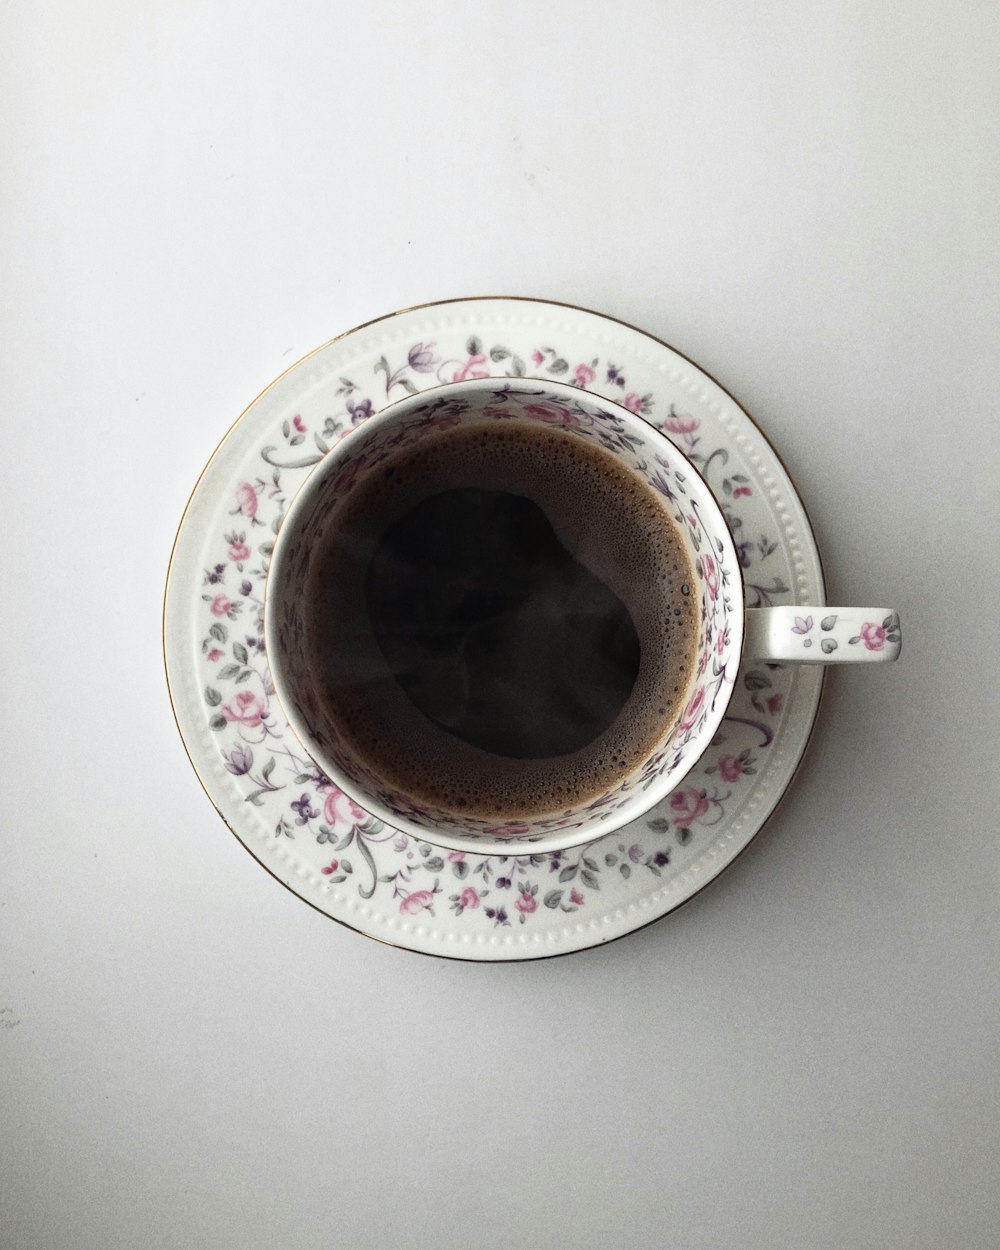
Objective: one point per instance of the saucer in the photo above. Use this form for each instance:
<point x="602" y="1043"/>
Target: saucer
<point x="314" y="839"/>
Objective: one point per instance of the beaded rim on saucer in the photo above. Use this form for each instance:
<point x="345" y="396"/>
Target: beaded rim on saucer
<point x="313" y="838"/>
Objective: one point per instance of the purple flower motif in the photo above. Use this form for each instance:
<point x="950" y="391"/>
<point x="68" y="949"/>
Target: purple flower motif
<point x="615" y="375"/>
<point x="245" y="587"/>
<point x="503" y="883"/>
<point x="658" y="482"/>
<point x="239" y="761"/>
<point x="359" y="411"/>
<point x="743" y="550"/>
<point x="635" y="852"/>
<point x="214" y="576"/>
<point x="304" y="809"/>
<point x="802" y="626"/>
<point x="421" y="357"/>
<point x="661" y="858"/>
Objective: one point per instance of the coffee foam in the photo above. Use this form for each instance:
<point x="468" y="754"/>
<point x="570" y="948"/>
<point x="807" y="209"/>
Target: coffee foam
<point x="605" y="516"/>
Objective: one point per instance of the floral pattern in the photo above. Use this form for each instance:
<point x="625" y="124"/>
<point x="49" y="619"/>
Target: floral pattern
<point x="590" y="421"/>
<point x="835" y="627"/>
<point x="353" y="851"/>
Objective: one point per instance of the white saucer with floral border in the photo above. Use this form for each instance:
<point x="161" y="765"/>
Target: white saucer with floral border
<point x="319" y="843"/>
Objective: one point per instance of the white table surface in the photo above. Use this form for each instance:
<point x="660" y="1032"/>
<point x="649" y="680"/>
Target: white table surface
<point x="801" y="197"/>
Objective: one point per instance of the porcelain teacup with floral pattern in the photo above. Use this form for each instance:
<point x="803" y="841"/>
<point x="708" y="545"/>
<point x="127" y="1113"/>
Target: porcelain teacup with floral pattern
<point x="727" y="631"/>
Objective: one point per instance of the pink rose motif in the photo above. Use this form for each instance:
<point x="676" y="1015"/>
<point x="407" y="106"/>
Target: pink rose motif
<point x="633" y="402"/>
<point x="703" y="664"/>
<point x="469" y="897"/>
<point x="711" y="575"/>
<point x="473" y="368"/>
<point x="214" y="654"/>
<point x="774" y="704"/>
<point x="537" y="357"/>
<point x="687" y="806"/>
<point x="455" y="857"/>
<point x="741" y="490"/>
<point x="552" y="414"/>
<point x="220" y="606"/>
<point x="513" y="829"/>
<point x="730" y="767"/>
<point x="239" y="551"/>
<point x="720" y="642"/>
<point x="246" y="500"/>
<point x="299" y="424"/>
<point x="416" y="902"/>
<point x="576" y="897"/>
<point x="681" y="423"/>
<point x="693" y="709"/>
<point x="873" y="636"/>
<point x="332" y="866"/>
<point x="584" y="375"/>
<point x="337" y="803"/>
<point x="526" y="903"/>
<point x="244" y="709"/>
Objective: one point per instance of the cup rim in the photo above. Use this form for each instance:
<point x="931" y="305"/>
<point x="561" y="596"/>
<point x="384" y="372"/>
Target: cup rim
<point x="480" y="844"/>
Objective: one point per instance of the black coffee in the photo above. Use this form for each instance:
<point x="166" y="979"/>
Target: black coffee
<point x="487" y="622"/>
<point x="501" y="620"/>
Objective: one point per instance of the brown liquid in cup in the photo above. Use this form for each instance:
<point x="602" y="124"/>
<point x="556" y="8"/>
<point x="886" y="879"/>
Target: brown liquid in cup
<point x="502" y="620"/>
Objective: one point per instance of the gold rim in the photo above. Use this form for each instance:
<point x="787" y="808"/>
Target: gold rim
<point x="519" y="299"/>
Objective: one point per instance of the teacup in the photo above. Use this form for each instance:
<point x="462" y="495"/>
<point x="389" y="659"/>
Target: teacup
<point x="723" y="630"/>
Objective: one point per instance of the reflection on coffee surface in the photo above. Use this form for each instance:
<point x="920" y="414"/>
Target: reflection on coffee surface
<point x="502" y="620"/>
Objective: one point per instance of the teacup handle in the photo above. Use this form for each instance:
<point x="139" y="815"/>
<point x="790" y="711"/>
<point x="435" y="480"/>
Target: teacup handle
<point x="810" y="635"/>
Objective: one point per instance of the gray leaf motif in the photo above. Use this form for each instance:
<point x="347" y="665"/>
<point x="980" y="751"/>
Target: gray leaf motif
<point x="827" y="623"/>
<point x="828" y="645"/>
<point x="305" y="462"/>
